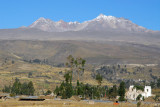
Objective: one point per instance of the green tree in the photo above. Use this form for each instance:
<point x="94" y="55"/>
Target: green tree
<point x="139" y="97"/>
<point x="25" y="90"/>
<point x="20" y="89"/>
<point x="31" y="88"/>
<point x="79" y="64"/>
<point x="113" y="92"/>
<point x="48" y="92"/>
<point x="75" y="65"/>
<point x="57" y="91"/>
<point x="70" y="62"/>
<point x="65" y="89"/>
<point x="138" y="87"/>
<point x="122" y="91"/>
<point x="69" y="90"/>
<point x="68" y="77"/>
<point x="158" y="83"/>
<point x="16" y="88"/>
<point x="6" y="89"/>
<point x="79" y="88"/>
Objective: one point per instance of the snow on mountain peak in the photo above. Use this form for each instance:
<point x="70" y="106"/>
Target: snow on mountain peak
<point x="75" y="22"/>
<point x="104" y="17"/>
<point x="41" y="18"/>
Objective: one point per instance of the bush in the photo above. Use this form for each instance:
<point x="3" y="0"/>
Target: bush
<point x="12" y="95"/>
<point x="139" y="87"/>
<point x="48" y="92"/>
<point x="138" y="97"/>
<point x="139" y="104"/>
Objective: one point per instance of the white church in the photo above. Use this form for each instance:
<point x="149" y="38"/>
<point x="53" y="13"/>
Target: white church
<point x="133" y="92"/>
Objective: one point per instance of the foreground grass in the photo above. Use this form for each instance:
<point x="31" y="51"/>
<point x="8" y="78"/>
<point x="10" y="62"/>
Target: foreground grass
<point x="67" y="103"/>
<point x="63" y="103"/>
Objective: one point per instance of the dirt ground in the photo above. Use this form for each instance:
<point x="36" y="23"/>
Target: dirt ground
<point x="63" y="103"/>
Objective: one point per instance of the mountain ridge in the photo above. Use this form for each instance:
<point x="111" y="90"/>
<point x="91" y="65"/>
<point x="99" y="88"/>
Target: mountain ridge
<point x="100" y="23"/>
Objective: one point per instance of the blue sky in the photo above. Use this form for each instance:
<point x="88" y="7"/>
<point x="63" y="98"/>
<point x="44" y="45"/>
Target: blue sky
<point x="16" y="13"/>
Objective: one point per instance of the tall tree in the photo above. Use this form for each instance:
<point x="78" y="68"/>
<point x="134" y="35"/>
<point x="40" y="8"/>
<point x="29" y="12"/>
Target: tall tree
<point x="79" y="63"/>
<point x="31" y="88"/>
<point x="68" y="77"/>
<point x="25" y="90"/>
<point x="113" y="92"/>
<point x="122" y="91"/>
<point x="158" y="83"/>
<point x="99" y="79"/>
<point x="70" y="63"/>
<point x="75" y="64"/>
<point x="16" y="88"/>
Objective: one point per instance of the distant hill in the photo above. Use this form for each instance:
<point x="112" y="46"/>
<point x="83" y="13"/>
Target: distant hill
<point x="94" y="52"/>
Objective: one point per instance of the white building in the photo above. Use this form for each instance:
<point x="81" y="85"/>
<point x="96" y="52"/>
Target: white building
<point x="133" y="92"/>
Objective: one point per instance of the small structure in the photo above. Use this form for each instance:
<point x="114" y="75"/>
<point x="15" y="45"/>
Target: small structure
<point x="3" y="97"/>
<point x="30" y="99"/>
<point x="116" y="103"/>
<point x="133" y="92"/>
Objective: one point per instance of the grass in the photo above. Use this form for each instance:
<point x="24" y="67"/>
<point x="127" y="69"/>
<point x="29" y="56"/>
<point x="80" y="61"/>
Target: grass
<point x="62" y="103"/>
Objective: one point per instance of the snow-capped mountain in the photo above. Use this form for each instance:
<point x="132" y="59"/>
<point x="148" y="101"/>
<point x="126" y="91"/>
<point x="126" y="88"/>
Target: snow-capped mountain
<point x="51" y="26"/>
<point x="44" y="24"/>
<point x="101" y="28"/>
<point x="100" y="23"/>
<point x="103" y="22"/>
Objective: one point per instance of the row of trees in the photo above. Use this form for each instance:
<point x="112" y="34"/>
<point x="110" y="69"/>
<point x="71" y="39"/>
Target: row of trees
<point x="19" y="88"/>
<point x="85" y="90"/>
<point x="66" y="89"/>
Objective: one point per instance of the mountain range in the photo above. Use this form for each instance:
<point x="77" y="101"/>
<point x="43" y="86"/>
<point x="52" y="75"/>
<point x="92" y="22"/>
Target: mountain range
<point x="101" y="28"/>
<point x="104" y="39"/>
<point x="100" y="23"/>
